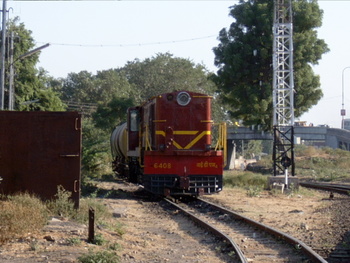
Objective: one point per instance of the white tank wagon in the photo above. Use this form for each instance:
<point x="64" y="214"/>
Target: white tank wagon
<point x="119" y="146"/>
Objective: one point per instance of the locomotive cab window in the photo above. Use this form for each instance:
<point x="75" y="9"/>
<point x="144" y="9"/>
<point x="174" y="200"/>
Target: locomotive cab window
<point x="134" y="120"/>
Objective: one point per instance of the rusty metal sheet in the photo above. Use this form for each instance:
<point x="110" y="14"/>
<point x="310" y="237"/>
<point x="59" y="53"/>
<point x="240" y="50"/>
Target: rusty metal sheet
<point x="40" y="151"/>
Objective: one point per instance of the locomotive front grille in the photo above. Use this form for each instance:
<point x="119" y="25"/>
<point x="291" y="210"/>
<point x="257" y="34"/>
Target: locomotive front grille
<point x="206" y="184"/>
<point x="210" y="184"/>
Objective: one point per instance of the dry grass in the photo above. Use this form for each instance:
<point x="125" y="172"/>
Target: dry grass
<point x="19" y="215"/>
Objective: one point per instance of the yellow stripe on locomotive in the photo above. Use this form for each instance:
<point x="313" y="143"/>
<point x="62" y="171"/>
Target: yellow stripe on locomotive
<point x="170" y="150"/>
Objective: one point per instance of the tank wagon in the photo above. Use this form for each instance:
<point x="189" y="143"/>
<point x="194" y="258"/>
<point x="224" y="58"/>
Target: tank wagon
<point x="166" y="145"/>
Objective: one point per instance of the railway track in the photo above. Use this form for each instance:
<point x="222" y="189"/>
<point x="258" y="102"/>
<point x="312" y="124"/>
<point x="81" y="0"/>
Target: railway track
<point x="249" y="239"/>
<point x="333" y="188"/>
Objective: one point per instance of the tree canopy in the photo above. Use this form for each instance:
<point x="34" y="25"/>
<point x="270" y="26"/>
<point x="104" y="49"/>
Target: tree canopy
<point x="244" y="59"/>
<point x="31" y="93"/>
<point x="165" y="73"/>
<point x="84" y="87"/>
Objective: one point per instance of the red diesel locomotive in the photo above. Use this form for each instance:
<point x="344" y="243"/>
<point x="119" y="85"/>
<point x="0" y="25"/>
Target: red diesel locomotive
<point x="166" y="145"/>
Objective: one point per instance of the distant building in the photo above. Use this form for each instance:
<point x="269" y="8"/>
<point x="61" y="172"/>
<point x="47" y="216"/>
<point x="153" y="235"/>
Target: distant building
<point x="300" y="123"/>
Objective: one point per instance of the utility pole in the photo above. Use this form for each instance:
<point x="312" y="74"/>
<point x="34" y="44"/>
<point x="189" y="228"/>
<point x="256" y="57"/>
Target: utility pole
<point x="11" y="86"/>
<point x="283" y="89"/>
<point x="2" y="55"/>
<point x="11" y="66"/>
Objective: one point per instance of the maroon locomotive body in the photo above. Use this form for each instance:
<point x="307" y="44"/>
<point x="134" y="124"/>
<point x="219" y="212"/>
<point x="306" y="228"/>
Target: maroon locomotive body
<point x="166" y="145"/>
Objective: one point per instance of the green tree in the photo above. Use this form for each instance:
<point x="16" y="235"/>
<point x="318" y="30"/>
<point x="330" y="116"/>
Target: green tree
<point x="244" y="59"/>
<point x="31" y="91"/>
<point x="79" y="88"/>
<point x="108" y="116"/>
<point x="84" y="87"/>
<point x="112" y="83"/>
<point x="96" y="158"/>
<point x="165" y="73"/>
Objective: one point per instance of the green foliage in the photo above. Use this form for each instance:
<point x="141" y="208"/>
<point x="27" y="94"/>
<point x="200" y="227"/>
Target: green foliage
<point x="78" y="87"/>
<point x="244" y="59"/>
<point x="62" y="205"/>
<point x="253" y="183"/>
<point x="99" y="257"/>
<point x="99" y="240"/>
<point x="244" y="179"/>
<point x="19" y="215"/>
<point x="165" y="73"/>
<point x="22" y="214"/>
<point x="84" y="87"/>
<point x="303" y="150"/>
<point x="96" y="157"/>
<point x="322" y="164"/>
<point x="253" y="148"/>
<point x="115" y="247"/>
<point x="254" y="191"/>
<point x="73" y="241"/>
<point x="32" y="93"/>
<point x="107" y="116"/>
<point x="101" y="211"/>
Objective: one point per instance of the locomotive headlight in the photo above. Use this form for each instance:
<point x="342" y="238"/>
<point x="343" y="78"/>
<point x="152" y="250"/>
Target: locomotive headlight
<point x="183" y="98"/>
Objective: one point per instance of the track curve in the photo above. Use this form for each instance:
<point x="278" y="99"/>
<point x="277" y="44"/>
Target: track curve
<point x="273" y="247"/>
<point x="336" y="188"/>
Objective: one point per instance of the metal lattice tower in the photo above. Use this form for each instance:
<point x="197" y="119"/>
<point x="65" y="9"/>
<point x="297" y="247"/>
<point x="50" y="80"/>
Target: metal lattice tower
<point x="283" y="89"/>
<point x="283" y="81"/>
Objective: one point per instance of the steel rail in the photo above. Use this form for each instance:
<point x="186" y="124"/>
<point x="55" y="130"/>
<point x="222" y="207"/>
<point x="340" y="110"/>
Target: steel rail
<point x="297" y="243"/>
<point x="213" y="230"/>
<point x="341" y="189"/>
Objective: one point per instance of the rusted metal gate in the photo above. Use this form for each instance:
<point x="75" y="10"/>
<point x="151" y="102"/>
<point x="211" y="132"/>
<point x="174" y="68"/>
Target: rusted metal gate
<point x="40" y="151"/>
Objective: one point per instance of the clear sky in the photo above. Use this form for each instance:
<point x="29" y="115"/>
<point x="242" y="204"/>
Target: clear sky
<point x="100" y="35"/>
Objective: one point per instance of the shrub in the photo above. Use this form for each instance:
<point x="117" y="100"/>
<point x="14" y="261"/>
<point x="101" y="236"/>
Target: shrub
<point x="100" y="257"/>
<point x="62" y="205"/>
<point x="73" y="241"/>
<point x="19" y="215"/>
<point x="244" y="179"/>
<point x="101" y="211"/>
<point x="303" y="150"/>
<point x="99" y="240"/>
<point x="254" y="191"/>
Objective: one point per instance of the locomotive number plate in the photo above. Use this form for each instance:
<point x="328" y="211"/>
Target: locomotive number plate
<point x="162" y="165"/>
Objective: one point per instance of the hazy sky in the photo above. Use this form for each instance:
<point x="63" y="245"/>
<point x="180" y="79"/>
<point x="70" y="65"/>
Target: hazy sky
<point x="99" y="35"/>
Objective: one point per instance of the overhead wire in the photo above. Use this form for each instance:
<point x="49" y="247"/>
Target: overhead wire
<point x="132" y="45"/>
<point x="136" y="0"/>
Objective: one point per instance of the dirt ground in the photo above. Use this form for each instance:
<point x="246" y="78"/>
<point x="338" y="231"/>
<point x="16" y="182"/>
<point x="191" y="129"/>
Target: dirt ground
<point x="152" y="235"/>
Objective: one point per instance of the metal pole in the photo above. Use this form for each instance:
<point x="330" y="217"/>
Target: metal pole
<point x="342" y="111"/>
<point x="11" y="88"/>
<point x="286" y="178"/>
<point x="29" y="53"/>
<point x="2" y="54"/>
<point x="91" y="237"/>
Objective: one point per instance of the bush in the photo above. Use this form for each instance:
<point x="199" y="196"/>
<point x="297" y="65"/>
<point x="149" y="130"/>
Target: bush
<point x="100" y="257"/>
<point x="19" y="215"/>
<point x="62" y="205"/>
<point x="101" y="211"/>
<point x="244" y="179"/>
<point x="303" y="150"/>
